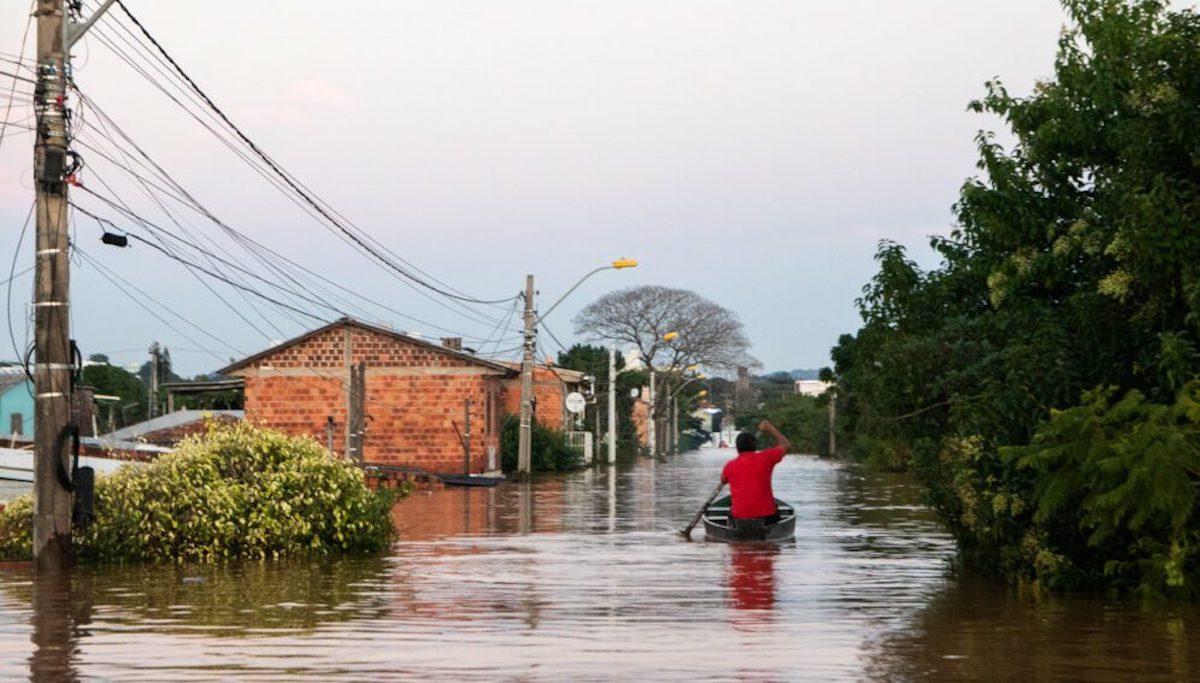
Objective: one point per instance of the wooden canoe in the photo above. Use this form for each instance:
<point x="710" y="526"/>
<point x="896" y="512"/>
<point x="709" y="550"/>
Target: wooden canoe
<point x="717" y="527"/>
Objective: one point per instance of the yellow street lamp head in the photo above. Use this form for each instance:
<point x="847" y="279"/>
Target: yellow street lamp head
<point x="702" y="392"/>
<point x="692" y="368"/>
<point x="624" y="263"/>
<point x="669" y="336"/>
<point x="701" y="376"/>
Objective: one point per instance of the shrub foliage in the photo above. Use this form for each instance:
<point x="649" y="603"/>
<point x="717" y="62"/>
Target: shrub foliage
<point x="1037" y="380"/>
<point x="237" y="491"/>
<point x="549" y="451"/>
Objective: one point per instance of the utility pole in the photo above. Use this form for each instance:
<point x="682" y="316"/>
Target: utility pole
<point x="675" y="424"/>
<point x="525" y="437"/>
<point x="650" y="431"/>
<point x="612" y="405"/>
<point x="356" y="424"/>
<point x="466" y="436"/>
<point x="152" y="400"/>
<point x="832" y="422"/>
<point x="52" y="369"/>
<point x="53" y="163"/>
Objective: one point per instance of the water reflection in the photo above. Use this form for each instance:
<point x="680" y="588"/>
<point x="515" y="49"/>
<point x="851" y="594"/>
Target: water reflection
<point x="583" y="577"/>
<point x="751" y="581"/>
<point x="976" y="629"/>
<point x="55" y="624"/>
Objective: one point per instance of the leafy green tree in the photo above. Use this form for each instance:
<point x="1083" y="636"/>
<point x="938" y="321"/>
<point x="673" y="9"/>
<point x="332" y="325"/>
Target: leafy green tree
<point x="110" y="380"/>
<point x="593" y="360"/>
<point x="804" y="420"/>
<point x="1073" y="270"/>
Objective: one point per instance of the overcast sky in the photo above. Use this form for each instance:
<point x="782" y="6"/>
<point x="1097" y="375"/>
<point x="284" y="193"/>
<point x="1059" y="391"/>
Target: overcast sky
<point x="752" y="151"/>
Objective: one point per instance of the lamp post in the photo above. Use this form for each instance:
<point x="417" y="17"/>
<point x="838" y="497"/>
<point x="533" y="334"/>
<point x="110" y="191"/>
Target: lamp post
<point x="612" y="405"/>
<point x="651" y="431"/>
<point x="525" y="435"/>
<point x="675" y="409"/>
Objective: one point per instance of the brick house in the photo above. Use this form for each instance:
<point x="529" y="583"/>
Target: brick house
<point x="415" y="392"/>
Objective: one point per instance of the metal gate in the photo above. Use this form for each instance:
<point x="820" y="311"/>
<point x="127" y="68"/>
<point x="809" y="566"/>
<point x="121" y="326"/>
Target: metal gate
<point x="582" y="442"/>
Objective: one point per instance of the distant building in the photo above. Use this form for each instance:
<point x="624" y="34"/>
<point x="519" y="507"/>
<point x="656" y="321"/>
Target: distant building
<point x="16" y="401"/>
<point x="812" y="387"/>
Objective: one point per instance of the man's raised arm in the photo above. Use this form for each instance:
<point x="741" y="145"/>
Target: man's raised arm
<point x="781" y="441"/>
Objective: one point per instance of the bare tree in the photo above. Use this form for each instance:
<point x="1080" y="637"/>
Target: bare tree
<point x="640" y="316"/>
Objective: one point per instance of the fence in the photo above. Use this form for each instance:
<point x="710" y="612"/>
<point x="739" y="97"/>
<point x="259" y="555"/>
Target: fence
<point x="582" y="442"/>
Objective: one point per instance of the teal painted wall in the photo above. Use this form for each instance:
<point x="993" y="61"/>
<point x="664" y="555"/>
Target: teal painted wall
<point x="17" y="399"/>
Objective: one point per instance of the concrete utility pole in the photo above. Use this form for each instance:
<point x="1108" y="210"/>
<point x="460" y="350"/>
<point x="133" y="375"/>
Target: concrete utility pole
<point x="650" y="431"/>
<point x="357" y="420"/>
<point x="152" y="400"/>
<point x="612" y="405"/>
<point x="832" y="422"/>
<point x="52" y="370"/>
<point x="525" y="437"/>
<point x="466" y="436"/>
<point x="674" y="425"/>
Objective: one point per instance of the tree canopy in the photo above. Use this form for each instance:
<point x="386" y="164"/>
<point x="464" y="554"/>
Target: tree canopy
<point x="641" y="316"/>
<point x="1072" y="279"/>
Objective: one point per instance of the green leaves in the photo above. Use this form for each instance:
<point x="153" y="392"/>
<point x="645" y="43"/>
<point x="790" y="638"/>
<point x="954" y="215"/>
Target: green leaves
<point x="238" y="491"/>
<point x="1126" y="472"/>
<point x="1073" y="266"/>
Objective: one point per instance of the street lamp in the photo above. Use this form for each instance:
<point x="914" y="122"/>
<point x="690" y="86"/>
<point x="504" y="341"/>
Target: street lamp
<point x="674" y="402"/>
<point x="525" y="435"/>
<point x="619" y="264"/>
<point x="651" y="431"/>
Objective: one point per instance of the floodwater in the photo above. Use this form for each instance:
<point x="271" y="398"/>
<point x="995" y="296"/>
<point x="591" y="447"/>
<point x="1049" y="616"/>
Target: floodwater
<point x="583" y="577"/>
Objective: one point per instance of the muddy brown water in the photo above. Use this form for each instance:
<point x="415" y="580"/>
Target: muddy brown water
<point x="583" y="577"/>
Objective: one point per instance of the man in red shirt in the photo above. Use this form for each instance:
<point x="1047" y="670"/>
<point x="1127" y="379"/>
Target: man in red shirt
<point x="749" y="479"/>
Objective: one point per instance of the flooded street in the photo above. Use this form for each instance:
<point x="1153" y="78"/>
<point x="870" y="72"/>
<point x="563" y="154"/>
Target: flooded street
<point x="583" y="577"/>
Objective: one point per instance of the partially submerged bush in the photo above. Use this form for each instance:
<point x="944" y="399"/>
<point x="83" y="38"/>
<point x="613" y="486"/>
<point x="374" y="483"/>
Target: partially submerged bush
<point x="548" y="451"/>
<point x="236" y="491"/>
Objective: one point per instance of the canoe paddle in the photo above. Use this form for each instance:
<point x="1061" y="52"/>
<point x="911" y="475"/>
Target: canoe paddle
<point x="687" y="531"/>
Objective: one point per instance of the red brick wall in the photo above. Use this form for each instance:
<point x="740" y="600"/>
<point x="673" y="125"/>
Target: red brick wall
<point x="549" y="391"/>
<point x="414" y="398"/>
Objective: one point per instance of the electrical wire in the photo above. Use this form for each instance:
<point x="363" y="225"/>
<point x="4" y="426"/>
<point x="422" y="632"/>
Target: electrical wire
<point x="190" y="201"/>
<point x="117" y="281"/>
<point x="11" y="276"/>
<point x="246" y="159"/>
<point x="24" y="37"/>
<point x="318" y="206"/>
<point x="195" y="267"/>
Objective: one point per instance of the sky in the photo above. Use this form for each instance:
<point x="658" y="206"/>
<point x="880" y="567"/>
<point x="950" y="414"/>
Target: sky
<point x="753" y="152"/>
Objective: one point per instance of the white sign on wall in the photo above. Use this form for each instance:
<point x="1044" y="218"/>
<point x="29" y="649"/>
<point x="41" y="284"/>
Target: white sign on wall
<point x="575" y="402"/>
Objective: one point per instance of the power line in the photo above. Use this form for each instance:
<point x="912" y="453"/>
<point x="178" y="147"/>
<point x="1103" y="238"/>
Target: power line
<point x="193" y="265"/>
<point x="193" y="203"/>
<point x="24" y="37"/>
<point x="217" y="276"/>
<point x="116" y="280"/>
<point x="11" y="276"/>
<point x="319" y="207"/>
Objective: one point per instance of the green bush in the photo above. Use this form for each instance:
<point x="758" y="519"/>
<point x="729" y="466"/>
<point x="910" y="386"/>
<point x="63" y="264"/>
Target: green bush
<point x="549" y="451"/>
<point x="1120" y="477"/>
<point x="238" y="491"/>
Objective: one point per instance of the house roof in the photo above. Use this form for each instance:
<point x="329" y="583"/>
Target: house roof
<point x="203" y="385"/>
<point x="383" y="331"/>
<point x="175" y="419"/>
<point x="11" y="377"/>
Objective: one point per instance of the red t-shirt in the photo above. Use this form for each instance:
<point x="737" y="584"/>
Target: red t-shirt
<point x="749" y="477"/>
